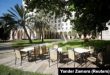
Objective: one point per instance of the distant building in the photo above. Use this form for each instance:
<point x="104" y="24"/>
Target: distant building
<point x="60" y="29"/>
<point x="20" y="34"/>
<point x="60" y="25"/>
<point x="106" y="33"/>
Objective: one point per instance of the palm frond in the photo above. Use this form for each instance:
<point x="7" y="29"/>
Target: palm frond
<point x="19" y="10"/>
<point x="14" y="15"/>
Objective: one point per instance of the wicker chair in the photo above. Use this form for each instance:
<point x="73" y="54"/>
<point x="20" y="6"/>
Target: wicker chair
<point x="36" y="51"/>
<point x="19" y="55"/>
<point x="71" y="55"/>
<point x="97" y="60"/>
<point x="53" y="56"/>
<point x="44" y="49"/>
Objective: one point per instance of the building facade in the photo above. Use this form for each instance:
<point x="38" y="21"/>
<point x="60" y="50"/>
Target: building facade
<point x="106" y="33"/>
<point x="60" y="29"/>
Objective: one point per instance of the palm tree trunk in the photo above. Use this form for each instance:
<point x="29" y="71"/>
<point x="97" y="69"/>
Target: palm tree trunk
<point x="101" y="35"/>
<point x="13" y="36"/>
<point x="85" y="38"/>
<point x="42" y="35"/>
<point x="25" y="30"/>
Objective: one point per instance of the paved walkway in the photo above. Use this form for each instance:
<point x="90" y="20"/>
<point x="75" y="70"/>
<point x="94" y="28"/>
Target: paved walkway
<point x="40" y="65"/>
<point x="7" y="46"/>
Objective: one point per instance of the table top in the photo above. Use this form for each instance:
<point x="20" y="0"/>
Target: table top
<point x="26" y="49"/>
<point x="81" y="50"/>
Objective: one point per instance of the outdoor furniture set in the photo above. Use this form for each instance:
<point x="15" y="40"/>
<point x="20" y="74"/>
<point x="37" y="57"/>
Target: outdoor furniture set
<point x="55" y="53"/>
<point x="30" y="52"/>
<point x="79" y="55"/>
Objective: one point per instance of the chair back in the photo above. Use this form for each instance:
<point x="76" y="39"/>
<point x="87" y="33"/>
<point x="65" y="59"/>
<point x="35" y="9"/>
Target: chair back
<point x="100" y="56"/>
<point x="91" y="49"/>
<point x="44" y="49"/>
<point x="107" y="55"/>
<point x="53" y="55"/>
<point x="71" y="54"/>
<point x="37" y="50"/>
<point x="17" y="54"/>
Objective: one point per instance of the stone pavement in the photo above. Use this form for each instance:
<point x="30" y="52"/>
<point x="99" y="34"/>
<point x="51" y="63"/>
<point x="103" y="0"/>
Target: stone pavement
<point x="40" y="65"/>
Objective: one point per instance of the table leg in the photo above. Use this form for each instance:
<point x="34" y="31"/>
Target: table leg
<point x="29" y="56"/>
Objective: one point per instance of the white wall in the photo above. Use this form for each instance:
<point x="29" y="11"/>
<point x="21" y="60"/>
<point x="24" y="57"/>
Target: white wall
<point x="106" y="33"/>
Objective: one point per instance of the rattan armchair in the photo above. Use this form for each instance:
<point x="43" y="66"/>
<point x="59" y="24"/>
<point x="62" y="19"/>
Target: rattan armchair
<point x="19" y="55"/>
<point x="36" y="51"/>
<point x="71" y="55"/>
<point x="44" y="49"/>
<point x="53" y="56"/>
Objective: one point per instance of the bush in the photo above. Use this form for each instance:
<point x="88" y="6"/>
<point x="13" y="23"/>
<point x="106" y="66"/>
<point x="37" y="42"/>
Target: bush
<point x="4" y="35"/>
<point x="98" y="44"/>
<point x="5" y="70"/>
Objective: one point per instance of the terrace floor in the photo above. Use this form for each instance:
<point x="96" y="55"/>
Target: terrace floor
<point x="40" y="65"/>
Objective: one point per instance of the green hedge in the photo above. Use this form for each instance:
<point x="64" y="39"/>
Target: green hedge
<point x="5" y="70"/>
<point x="97" y="44"/>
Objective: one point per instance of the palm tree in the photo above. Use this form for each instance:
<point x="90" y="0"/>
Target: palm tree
<point x="19" y="15"/>
<point x="8" y="21"/>
<point x="7" y="24"/>
<point x="41" y="23"/>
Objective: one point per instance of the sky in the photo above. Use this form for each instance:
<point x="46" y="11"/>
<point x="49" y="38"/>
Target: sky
<point x="7" y="4"/>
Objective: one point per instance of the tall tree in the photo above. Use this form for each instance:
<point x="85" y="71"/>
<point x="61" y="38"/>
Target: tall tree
<point x="92" y="14"/>
<point x="89" y="14"/>
<point x="8" y="21"/>
<point x="7" y="24"/>
<point x="56" y="7"/>
<point x="19" y="15"/>
<point x="41" y="23"/>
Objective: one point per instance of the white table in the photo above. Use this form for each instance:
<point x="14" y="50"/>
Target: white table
<point x="81" y="50"/>
<point x="27" y="50"/>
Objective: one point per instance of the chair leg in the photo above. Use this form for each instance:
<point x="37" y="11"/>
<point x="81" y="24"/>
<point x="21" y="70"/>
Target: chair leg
<point x="34" y="57"/>
<point x="49" y="58"/>
<point x="86" y="63"/>
<point x="49" y="62"/>
<point x="68" y="61"/>
<point x="57" y="63"/>
<point x="74" y="64"/>
<point x="21" y="62"/>
<point x="15" y="60"/>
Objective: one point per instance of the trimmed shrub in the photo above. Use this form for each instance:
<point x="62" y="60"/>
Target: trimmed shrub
<point x="5" y="70"/>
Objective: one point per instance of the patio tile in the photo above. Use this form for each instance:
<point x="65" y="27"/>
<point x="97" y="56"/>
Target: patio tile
<point x="40" y="65"/>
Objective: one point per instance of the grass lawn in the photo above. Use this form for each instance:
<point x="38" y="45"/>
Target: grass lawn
<point x="71" y="44"/>
<point x="80" y="43"/>
<point x="24" y="43"/>
<point x="5" y="70"/>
